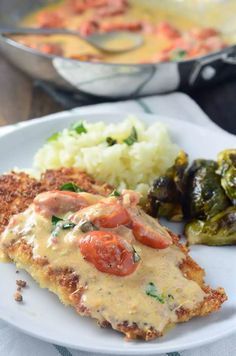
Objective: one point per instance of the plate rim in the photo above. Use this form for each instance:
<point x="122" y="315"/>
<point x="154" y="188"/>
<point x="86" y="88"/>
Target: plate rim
<point x="135" y="351"/>
<point x="67" y="114"/>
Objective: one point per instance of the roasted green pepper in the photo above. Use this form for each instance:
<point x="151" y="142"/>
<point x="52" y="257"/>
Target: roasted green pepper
<point x="217" y="231"/>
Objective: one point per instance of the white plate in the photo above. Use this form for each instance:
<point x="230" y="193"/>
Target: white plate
<point x="43" y="316"/>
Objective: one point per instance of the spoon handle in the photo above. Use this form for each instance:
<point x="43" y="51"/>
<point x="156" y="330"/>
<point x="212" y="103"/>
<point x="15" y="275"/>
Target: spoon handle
<point x="98" y="41"/>
<point x="38" y="31"/>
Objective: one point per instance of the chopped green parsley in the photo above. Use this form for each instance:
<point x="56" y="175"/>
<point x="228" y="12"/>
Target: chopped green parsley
<point x="53" y="137"/>
<point x="79" y="128"/>
<point x="71" y="187"/>
<point x="132" y="138"/>
<point x="178" y="55"/>
<point x="60" y="224"/>
<point x="151" y="291"/>
<point x="111" y="141"/>
<point x="115" y="193"/>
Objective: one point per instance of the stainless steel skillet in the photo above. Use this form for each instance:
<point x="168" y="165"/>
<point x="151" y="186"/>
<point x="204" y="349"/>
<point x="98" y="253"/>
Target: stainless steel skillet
<point x="111" y="80"/>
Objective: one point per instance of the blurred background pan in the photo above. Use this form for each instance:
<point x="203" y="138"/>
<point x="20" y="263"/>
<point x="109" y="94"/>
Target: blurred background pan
<point x="126" y="80"/>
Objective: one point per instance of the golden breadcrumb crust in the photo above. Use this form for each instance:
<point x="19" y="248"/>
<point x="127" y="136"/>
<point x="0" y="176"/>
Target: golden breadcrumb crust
<point x="18" y="190"/>
<point x="65" y="283"/>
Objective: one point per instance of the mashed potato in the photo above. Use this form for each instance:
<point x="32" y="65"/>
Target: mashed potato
<point x="132" y="166"/>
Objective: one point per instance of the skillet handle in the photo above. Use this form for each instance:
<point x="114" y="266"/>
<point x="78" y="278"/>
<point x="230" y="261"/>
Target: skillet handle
<point x="213" y="68"/>
<point x="230" y="58"/>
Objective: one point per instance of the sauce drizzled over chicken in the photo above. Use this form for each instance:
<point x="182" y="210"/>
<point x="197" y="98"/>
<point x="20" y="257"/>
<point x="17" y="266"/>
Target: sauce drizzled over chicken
<point x="108" y="259"/>
<point x="107" y="251"/>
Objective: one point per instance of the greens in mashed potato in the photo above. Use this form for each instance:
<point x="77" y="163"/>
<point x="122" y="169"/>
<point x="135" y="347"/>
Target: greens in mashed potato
<point x="136" y="156"/>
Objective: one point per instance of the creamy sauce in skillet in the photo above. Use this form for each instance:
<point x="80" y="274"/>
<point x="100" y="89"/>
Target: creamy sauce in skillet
<point x="116" y="299"/>
<point x="158" y="23"/>
<point x="152" y="45"/>
<point x="160" y="43"/>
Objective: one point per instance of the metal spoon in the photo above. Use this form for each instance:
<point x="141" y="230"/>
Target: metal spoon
<point x="105" y="42"/>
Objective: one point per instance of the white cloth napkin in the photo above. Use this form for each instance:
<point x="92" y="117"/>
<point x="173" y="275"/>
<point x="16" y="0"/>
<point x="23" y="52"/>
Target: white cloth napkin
<point x="181" y="107"/>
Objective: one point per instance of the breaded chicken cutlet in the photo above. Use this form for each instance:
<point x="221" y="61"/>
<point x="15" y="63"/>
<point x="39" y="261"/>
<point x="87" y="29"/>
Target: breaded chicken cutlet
<point x="147" y="285"/>
<point x="18" y="190"/>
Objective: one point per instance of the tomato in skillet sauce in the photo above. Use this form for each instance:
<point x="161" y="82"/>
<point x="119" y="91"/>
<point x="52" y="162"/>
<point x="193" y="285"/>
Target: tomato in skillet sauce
<point x="169" y="35"/>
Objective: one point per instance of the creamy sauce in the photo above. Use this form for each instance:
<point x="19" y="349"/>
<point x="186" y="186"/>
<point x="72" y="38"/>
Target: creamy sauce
<point x="155" y="47"/>
<point x="153" y="43"/>
<point x="116" y="299"/>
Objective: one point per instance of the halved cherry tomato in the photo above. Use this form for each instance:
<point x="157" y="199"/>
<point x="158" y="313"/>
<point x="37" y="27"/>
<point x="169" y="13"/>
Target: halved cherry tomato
<point x="113" y="8"/>
<point x="203" y="33"/>
<point x="167" y="30"/>
<point x="89" y="27"/>
<point x="104" y="214"/>
<point x="148" y="231"/>
<point x="50" y="19"/>
<point x="58" y="202"/>
<point x="108" y="252"/>
<point x="112" y="215"/>
<point x="121" y="26"/>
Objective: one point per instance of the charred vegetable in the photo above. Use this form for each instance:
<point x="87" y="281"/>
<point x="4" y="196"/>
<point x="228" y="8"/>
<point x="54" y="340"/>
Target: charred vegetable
<point x="204" y="195"/>
<point x="217" y="231"/>
<point x="227" y="170"/>
<point x="166" y="195"/>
